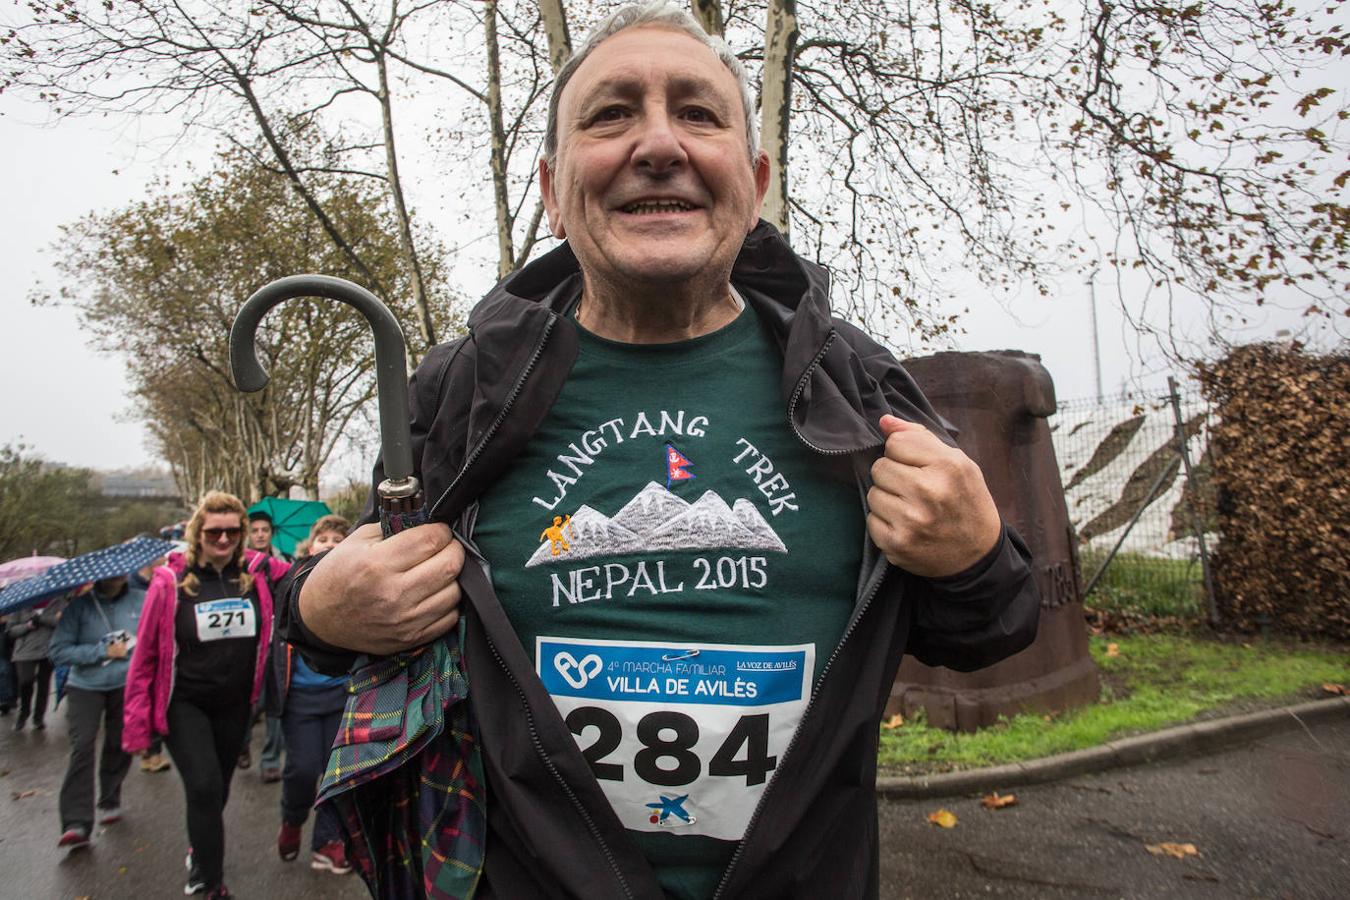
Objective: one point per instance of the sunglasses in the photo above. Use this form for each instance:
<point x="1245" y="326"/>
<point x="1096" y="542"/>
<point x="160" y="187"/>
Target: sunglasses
<point x="215" y="534"/>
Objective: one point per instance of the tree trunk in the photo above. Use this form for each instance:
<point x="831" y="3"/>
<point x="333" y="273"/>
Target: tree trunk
<point x="709" y="14"/>
<point x="405" y="235"/>
<point x="559" y="37"/>
<point x="506" y="255"/>
<point x="780" y="44"/>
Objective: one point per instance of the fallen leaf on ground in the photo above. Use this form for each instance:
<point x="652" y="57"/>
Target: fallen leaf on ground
<point x="1112" y="649"/>
<point x="894" y="721"/>
<point x="1176" y="851"/>
<point x="4" y="772"/>
<point x="997" y="800"/>
<point x="943" y="818"/>
<point x="121" y="870"/>
<point x="24" y="795"/>
<point x="1337" y="689"/>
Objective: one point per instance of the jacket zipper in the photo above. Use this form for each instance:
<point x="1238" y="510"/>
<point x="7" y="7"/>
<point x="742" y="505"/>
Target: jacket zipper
<point x="815" y="692"/>
<point x="501" y="663"/>
<point x="864" y="603"/>
<point x="544" y="757"/>
<point x="557" y="776"/>
<point x="797" y="393"/>
<point x="501" y="413"/>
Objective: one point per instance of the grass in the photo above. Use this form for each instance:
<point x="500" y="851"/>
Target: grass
<point x="1152" y="682"/>
<point x="1146" y="584"/>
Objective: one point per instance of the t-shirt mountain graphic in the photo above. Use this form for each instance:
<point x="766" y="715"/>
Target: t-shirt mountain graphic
<point x="656" y="519"/>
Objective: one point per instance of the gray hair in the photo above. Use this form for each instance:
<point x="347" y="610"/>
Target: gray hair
<point x="653" y="12"/>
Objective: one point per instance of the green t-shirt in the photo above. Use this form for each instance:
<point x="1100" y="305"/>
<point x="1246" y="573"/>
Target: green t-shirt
<point x="678" y="565"/>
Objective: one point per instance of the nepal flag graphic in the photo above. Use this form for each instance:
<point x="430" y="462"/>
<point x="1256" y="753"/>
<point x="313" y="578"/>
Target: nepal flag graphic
<point x="677" y="466"/>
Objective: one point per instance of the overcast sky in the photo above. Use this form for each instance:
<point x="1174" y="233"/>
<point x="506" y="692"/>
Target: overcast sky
<point x="71" y="404"/>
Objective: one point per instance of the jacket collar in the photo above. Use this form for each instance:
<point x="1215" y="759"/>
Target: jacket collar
<point x="790" y="295"/>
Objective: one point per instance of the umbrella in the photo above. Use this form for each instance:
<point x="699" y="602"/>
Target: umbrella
<point x="110" y="562"/>
<point x="291" y="519"/>
<point x="26" y="567"/>
<point x="411" y="802"/>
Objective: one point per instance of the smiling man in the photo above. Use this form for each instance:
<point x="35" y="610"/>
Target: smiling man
<point x="696" y="520"/>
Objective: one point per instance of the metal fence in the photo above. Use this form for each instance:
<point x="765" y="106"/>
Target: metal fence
<point x="1134" y="502"/>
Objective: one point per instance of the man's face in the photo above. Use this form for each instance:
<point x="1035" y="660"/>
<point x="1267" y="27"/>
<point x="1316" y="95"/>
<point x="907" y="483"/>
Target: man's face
<point x="652" y="181"/>
<point x="260" y="535"/>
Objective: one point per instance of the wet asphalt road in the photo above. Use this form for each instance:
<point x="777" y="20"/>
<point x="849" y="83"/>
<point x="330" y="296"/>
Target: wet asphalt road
<point x="142" y="856"/>
<point x="1270" y="820"/>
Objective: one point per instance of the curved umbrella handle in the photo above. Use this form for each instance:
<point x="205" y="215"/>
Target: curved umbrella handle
<point x="400" y="494"/>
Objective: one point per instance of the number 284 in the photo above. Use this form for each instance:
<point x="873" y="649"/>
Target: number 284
<point x="668" y="738"/>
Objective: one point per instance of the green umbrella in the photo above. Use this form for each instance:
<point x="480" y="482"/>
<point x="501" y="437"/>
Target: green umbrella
<point x="291" y="519"/>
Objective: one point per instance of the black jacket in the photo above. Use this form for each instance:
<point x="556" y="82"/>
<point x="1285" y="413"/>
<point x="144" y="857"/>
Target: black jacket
<point x="475" y="404"/>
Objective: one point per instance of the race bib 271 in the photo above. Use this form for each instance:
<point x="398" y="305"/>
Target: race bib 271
<point x="682" y="737"/>
<point x="230" y="618"/>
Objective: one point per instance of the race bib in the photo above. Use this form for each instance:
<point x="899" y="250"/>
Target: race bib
<point x="682" y="738"/>
<point x="230" y="618"/>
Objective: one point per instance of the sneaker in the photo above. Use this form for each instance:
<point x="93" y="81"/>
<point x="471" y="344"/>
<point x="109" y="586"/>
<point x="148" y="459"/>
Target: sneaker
<point x="245" y="760"/>
<point x="288" y="842"/>
<point x="74" y="837"/>
<point x="220" y="892"/>
<point x="331" y="857"/>
<point x="154" y="763"/>
<point x="271" y="776"/>
<point x="109" y="815"/>
<point x="39" y="725"/>
<point x="196" y="884"/>
<point x="21" y="721"/>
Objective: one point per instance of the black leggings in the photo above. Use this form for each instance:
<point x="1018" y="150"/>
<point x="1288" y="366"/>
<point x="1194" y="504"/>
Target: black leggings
<point x="204" y="745"/>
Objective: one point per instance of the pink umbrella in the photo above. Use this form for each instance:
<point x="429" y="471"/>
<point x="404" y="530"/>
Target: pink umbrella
<point x="26" y="567"/>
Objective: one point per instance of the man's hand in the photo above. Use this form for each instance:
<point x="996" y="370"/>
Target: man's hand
<point x="117" y="650"/>
<point x="931" y="513"/>
<point x="382" y="596"/>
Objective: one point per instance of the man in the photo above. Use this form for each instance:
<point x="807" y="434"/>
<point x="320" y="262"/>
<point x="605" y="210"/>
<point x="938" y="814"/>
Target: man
<point x="31" y="631"/>
<point x="260" y="531"/>
<point x="93" y="638"/>
<point x="765" y="515"/>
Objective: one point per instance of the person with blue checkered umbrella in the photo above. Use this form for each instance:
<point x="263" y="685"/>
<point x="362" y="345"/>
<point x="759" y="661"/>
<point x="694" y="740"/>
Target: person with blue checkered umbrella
<point x="95" y="639"/>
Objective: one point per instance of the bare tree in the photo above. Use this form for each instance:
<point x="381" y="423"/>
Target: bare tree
<point x="281" y="64"/>
<point x="709" y="15"/>
<point x="160" y="282"/>
<point x="780" y="46"/>
<point x="554" y="18"/>
<point x="1199" y="148"/>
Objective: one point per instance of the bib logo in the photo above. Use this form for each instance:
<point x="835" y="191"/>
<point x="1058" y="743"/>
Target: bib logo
<point x="577" y="674"/>
<point x="668" y="807"/>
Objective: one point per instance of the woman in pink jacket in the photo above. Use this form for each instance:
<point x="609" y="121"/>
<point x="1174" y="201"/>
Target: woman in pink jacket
<point x="201" y="647"/>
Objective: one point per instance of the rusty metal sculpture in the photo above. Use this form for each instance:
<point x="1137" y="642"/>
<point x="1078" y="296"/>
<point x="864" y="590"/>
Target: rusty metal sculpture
<point x="999" y="403"/>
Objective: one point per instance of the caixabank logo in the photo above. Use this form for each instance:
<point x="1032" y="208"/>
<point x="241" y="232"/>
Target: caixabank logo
<point x="669" y="812"/>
